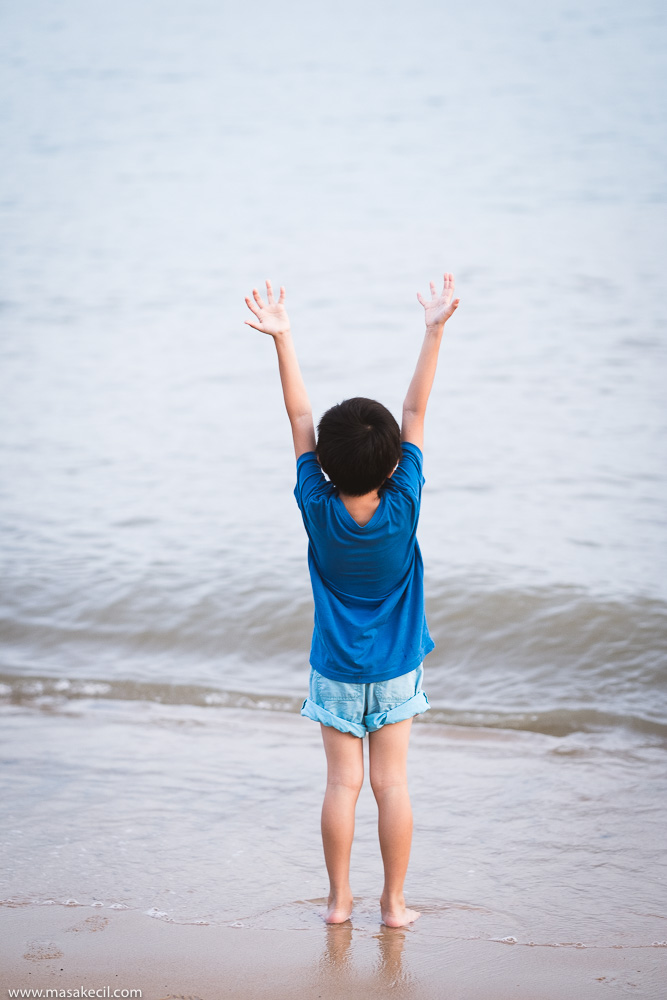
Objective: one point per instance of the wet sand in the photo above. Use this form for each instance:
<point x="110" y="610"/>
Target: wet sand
<point x="519" y="863"/>
<point x="67" y="948"/>
<point x="195" y="815"/>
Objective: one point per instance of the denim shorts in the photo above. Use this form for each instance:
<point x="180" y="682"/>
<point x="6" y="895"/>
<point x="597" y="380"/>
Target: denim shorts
<point x="364" y="708"/>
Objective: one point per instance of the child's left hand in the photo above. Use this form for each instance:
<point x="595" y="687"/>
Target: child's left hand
<point x="271" y="315"/>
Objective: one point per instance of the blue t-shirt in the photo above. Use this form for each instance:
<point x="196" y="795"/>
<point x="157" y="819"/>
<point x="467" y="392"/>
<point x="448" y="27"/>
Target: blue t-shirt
<point x="368" y="582"/>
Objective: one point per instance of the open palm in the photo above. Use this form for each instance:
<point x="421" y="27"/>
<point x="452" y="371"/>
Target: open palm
<point x="440" y="307"/>
<point x="271" y="316"/>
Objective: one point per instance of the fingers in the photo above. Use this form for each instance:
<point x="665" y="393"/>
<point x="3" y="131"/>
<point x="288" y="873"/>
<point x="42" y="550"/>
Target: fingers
<point x="251" y="306"/>
<point x="447" y="287"/>
<point x="444" y="298"/>
<point x="270" y="298"/>
<point x="253" y="325"/>
<point x="269" y="293"/>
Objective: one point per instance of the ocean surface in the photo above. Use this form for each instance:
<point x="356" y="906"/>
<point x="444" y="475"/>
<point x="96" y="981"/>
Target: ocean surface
<point x="157" y="161"/>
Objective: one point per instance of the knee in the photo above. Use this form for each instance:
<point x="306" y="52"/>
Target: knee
<point x="384" y="782"/>
<point x="347" y="779"/>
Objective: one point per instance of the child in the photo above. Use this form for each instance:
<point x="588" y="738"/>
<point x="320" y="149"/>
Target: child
<point x="370" y="635"/>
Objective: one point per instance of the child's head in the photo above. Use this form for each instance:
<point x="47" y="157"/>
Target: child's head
<point x="358" y="445"/>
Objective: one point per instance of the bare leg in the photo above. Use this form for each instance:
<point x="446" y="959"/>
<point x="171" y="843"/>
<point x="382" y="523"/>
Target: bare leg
<point x="388" y="751"/>
<point x="345" y="775"/>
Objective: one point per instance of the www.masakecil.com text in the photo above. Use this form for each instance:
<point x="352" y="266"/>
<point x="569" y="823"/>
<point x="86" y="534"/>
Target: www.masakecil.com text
<point x="79" y="991"/>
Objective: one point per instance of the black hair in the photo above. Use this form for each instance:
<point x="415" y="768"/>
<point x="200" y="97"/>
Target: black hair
<point x="358" y="445"/>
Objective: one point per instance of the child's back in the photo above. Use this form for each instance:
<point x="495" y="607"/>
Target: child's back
<point x="367" y="579"/>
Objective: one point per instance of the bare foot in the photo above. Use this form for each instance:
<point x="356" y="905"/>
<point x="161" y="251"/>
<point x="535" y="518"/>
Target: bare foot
<point x="339" y="910"/>
<point x="397" y="914"/>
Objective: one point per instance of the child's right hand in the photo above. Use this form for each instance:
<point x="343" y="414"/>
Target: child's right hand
<point x="440" y="307"/>
<point x="271" y="316"/>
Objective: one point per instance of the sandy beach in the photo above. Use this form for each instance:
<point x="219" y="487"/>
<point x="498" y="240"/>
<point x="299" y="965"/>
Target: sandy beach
<point x="70" y="948"/>
<point x="200" y="896"/>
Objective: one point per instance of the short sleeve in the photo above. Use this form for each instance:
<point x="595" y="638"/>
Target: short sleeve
<point x="408" y="476"/>
<point x="310" y="480"/>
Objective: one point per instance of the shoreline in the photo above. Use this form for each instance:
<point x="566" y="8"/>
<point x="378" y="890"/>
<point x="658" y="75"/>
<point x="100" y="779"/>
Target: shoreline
<point x="69" y="948"/>
<point x="211" y="816"/>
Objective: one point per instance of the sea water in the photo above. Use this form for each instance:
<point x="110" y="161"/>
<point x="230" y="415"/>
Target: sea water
<point x="158" y="161"/>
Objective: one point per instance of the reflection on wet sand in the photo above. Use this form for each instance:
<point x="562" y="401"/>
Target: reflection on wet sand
<point x="390" y="959"/>
<point x="338" y="957"/>
<point x="337" y="941"/>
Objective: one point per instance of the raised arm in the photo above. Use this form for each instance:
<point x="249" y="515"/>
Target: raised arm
<point x="271" y="318"/>
<point x="436" y="313"/>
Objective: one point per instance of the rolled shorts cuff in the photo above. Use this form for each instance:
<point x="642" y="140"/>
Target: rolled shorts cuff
<point x="416" y="705"/>
<point x="312" y="711"/>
